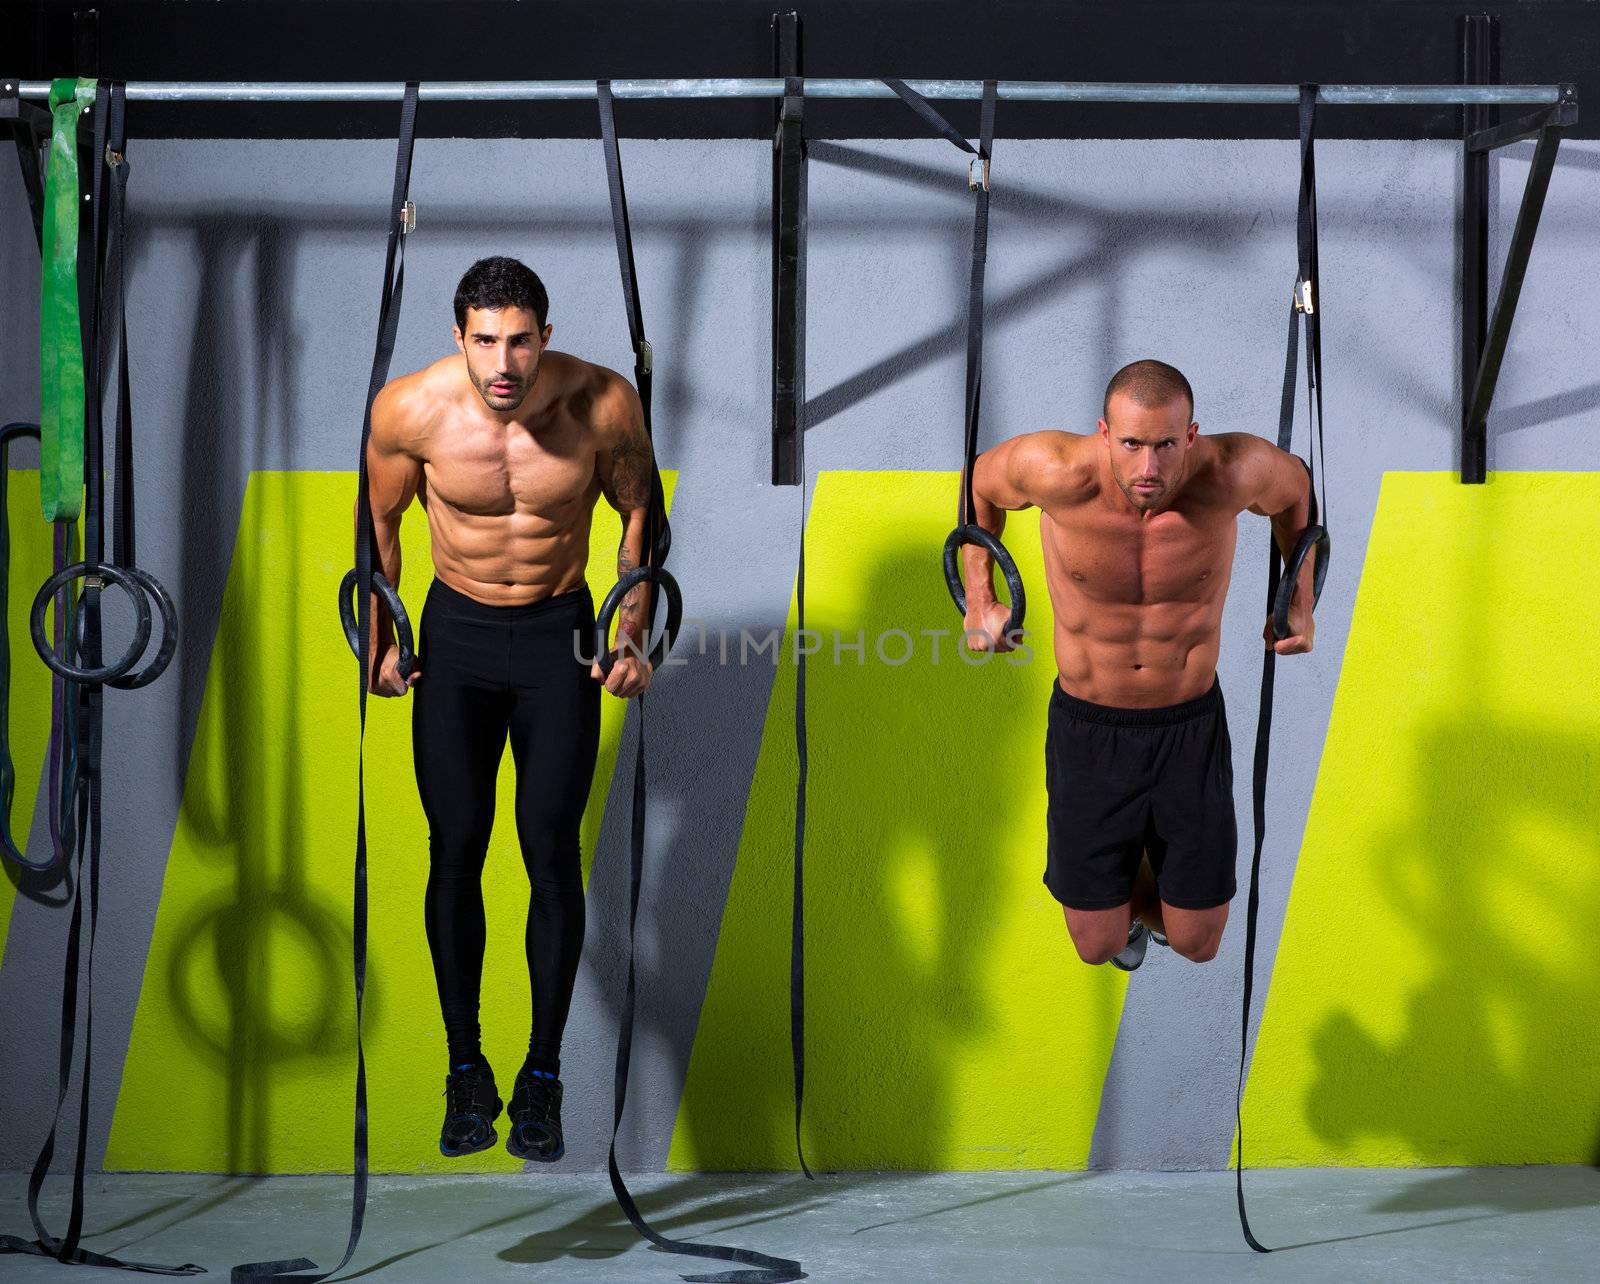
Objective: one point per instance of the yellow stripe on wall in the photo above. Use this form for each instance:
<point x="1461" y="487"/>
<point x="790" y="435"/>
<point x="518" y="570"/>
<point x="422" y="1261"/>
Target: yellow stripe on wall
<point x="950" y="1024"/>
<point x="1435" y="996"/>
<point x="247" y="992"/>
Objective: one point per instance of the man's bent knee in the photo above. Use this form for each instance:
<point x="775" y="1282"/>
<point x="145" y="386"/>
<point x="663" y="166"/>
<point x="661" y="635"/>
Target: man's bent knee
<point x="1098" y="935"/>
<point x="1199" y="948"/>
<point x="1099" y="951"/>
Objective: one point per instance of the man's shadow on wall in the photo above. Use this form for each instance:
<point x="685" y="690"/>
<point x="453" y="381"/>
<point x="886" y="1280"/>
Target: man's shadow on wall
<point x="1496" y="870"/>
<point x="902" y="908"/>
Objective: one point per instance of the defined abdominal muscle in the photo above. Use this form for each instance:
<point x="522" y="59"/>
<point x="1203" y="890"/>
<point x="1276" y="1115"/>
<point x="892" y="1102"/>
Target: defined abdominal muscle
<point x="1133" y="667"/>
<point x="510" y="559"/>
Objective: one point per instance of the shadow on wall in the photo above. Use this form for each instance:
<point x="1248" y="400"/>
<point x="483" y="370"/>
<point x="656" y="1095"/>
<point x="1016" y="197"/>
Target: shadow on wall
<point x="949" y="1024"/>
<point x="1504" y="899"/>
<point x="900" y="920"/>
<point x="229" y="989"/>
<point x="1489" y="876"/>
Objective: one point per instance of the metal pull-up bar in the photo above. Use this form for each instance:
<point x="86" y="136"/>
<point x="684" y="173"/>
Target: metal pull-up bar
<point x="1039" y="91"/>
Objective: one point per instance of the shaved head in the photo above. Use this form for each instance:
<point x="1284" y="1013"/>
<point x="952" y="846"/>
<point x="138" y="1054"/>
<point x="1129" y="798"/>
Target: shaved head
<point x="1151" y="384"/>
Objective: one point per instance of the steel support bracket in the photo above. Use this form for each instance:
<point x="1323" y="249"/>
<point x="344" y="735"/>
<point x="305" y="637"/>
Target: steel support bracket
<point x="788" y="259"/>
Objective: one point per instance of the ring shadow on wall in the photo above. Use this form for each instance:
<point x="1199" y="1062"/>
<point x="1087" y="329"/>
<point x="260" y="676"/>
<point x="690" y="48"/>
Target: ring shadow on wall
<point x="1504" y="899"/>
<point x="1450" y="876"/>
<point x="949" y="1025"/>
<point x="259" y="977"/>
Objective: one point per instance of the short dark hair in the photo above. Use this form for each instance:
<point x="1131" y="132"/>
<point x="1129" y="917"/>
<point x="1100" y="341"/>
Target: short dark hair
<point x="1151" y="384"/>
<point x="501" y="282"/>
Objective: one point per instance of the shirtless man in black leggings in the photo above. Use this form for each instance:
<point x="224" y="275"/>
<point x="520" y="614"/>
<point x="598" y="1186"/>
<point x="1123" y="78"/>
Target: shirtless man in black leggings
<point x="1138" y="523"/>
<point x="507" y="447"/>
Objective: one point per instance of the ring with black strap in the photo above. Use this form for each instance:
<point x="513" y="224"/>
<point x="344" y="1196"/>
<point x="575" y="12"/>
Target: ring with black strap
<point x="404" y="637"/>
<point x="73" y="321"/>
<point x="766" y="1269"/>
<point x="658" y="542"/>
<point x="400" y="220"/>
<point x="1314" y="537"/>
<point x="967" y="530"/>
<point x="1281" y="581"/>
<point x="110" y="315"/>
<point x="606" y="655"/>
<point x="94" y="577"/>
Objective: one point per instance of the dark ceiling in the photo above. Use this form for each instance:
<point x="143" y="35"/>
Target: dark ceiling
<point x="1329" y="41"/>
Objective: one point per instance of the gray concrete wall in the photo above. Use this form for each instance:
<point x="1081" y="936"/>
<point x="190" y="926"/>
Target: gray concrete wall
<point x="255" y="276"/>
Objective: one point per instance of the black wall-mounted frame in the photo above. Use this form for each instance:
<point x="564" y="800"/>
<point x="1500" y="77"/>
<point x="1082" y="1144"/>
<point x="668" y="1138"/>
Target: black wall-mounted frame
<point x="788" y="259"/>
<point x="1484" y="337"/>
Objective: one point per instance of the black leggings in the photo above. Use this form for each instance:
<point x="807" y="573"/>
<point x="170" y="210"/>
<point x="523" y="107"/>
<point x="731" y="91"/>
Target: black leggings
<point x="488" y="671"/>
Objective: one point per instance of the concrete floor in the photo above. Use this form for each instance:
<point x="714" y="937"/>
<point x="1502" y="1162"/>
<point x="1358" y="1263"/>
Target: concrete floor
<point x="1329" y="1224"/>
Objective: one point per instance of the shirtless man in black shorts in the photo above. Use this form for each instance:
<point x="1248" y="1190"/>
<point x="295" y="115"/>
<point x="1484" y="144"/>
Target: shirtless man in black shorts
<point x="507" y="447"/>
<point x="1138" y="523"/>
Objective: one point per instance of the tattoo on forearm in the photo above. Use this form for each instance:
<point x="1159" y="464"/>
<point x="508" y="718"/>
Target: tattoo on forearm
<point x="631" y="614"/>
<point x="631" y="472"/>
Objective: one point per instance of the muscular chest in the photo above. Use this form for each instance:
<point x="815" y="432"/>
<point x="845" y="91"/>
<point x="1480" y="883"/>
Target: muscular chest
<point x="489" y="470"/>
<point x="1112" y="558"/>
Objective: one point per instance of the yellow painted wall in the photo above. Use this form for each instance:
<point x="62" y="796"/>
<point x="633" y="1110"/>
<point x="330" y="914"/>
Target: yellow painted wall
<point x="950" y="1024"/>
<point x="1435" y="997"/>
<point x="247" y="997"/>
<point x="30" y="680"/>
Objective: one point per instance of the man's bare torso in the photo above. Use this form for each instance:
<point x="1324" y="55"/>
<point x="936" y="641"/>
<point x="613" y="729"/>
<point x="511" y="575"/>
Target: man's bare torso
<point x="509" y="503"/>
<point x="1138" y="598"/>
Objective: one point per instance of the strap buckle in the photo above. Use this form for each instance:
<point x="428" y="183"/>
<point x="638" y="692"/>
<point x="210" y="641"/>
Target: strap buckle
<point x="408" y="218"/>
<point x="94" y="580"/>
<point x="644" y="355"/>
<point x="114" y="158"/>
<point x="978" y="174"/>
<point x="1304" y="300"/>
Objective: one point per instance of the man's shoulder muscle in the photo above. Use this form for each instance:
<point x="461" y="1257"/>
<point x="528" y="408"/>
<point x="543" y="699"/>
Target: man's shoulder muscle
<point x="599" y="398"/>
<point x="1060" y="467"/>
<point x="1240" y="461"/>
<point x="408" y="409"/>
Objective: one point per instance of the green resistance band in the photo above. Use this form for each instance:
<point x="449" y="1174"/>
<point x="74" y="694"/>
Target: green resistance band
<point x="60" y="328"/>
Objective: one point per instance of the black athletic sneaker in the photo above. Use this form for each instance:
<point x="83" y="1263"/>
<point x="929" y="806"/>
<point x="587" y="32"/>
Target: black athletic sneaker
<point x="535" y="1131"/>
<point x="471" y="1106"/>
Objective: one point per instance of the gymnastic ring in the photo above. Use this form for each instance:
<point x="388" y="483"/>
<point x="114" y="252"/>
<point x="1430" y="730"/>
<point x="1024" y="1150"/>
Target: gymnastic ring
<point x="986" y="540"/>
<point x="404" y="639"/>
<point x="1312" y="537"/>
<point x="141" y="630"/>
<point x="605" y="657"/>
<point x="158" y="594"/>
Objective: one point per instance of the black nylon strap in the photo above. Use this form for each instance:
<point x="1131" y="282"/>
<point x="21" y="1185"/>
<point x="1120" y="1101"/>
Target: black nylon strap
<point x="930" y="115"/>
<point x="62" y="758"/>
<point x="1306" y="238"/>
<point x="793" y="121"/>
<point x="659" y="537"/>
<point x="123" y="550"/>
<point x="980" y="259"/>
<point x="294" y="1271"/>
<point x="768" y="1270"/>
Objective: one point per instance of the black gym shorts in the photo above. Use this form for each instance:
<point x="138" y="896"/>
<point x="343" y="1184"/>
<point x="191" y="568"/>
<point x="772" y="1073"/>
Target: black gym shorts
<point x="1123" y="782"/>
